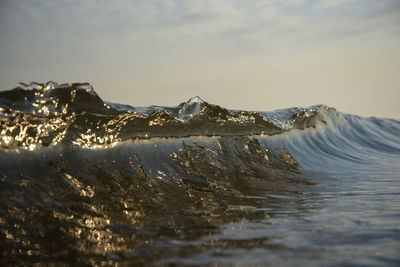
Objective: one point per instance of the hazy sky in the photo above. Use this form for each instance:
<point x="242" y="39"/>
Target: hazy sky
<point x="242" y="54"/>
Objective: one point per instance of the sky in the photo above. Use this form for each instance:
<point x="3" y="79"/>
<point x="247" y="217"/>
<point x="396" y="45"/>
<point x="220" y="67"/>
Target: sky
<point x="240" y="54"/>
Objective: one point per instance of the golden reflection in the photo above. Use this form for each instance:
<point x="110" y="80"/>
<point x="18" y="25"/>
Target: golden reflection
<point x="85" y="191"/>
<point x="50" y="118"/>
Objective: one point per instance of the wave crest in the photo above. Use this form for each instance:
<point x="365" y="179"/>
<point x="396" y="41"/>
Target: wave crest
<point x="43" y="114"/>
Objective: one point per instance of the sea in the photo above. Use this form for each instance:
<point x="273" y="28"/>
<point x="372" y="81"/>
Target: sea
<point x="86" y="182"/>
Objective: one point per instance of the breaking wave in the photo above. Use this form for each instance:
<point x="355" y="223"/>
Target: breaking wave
<point x="88" y="181"/>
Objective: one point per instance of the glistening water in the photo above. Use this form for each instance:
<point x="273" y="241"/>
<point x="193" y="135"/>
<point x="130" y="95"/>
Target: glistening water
<point x="88" y="182"/>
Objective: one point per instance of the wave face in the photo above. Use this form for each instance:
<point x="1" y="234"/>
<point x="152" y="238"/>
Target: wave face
<point x="83" y="181"/>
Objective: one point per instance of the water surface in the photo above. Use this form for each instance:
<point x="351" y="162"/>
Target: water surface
<point x="83" y="181"/>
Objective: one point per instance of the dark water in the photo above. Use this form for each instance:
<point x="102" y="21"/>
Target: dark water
<point x="87" y="182"/>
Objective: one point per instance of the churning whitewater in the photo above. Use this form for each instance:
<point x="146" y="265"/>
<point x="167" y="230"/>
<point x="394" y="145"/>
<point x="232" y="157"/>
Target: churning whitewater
<point x="89" y="182"/>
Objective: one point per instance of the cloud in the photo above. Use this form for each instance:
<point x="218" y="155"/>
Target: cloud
<point x="236" y="27"/>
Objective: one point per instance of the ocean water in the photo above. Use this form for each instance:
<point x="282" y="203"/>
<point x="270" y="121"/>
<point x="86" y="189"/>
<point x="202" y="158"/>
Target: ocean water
<point x="88" y="182"/>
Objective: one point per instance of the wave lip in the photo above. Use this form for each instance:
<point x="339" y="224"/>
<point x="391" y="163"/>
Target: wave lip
<point x="44" y="114"/>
